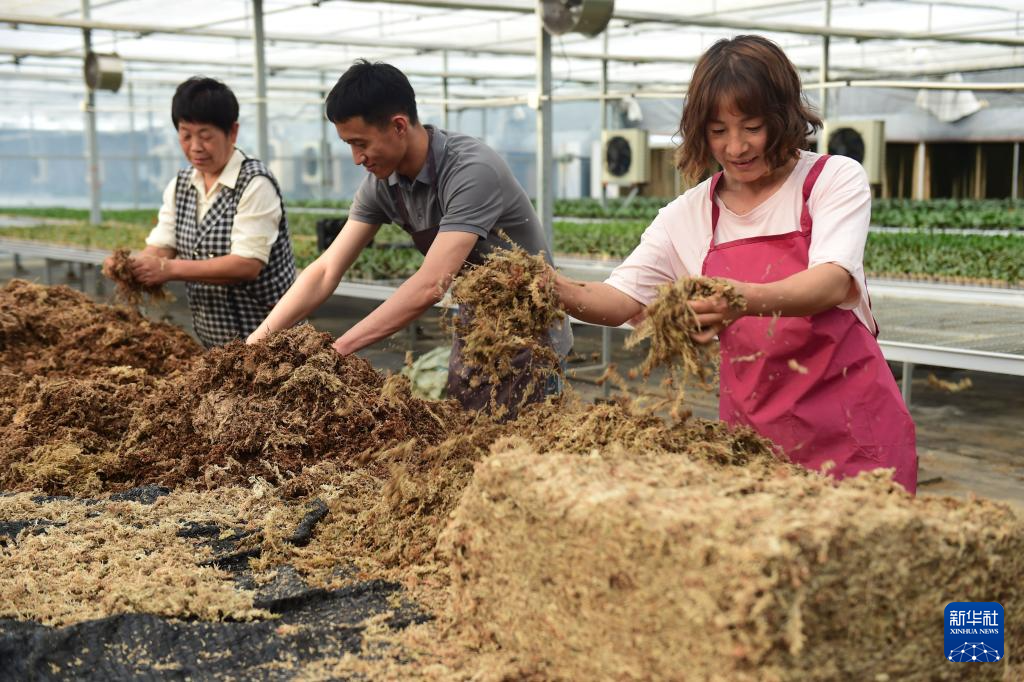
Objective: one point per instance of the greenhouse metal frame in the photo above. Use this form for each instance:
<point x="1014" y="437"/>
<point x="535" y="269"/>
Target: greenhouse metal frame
<point x="994" y="40"/>
<point x="464" y="55"/>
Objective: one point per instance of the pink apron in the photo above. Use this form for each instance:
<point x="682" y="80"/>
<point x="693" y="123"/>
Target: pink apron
<point x="838" y="401"/>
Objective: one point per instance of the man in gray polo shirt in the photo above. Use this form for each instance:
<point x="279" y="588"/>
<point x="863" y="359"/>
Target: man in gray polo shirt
<point x="449" y="191"/>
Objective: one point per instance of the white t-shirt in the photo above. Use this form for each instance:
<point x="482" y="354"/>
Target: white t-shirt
<point x="257" y="217"/>
<point x="675" y="244"/>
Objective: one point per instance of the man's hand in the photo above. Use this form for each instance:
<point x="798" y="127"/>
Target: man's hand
<point x="342" y="347"/>
<point x="150" y="270"/>
<point x="426" y="287"/>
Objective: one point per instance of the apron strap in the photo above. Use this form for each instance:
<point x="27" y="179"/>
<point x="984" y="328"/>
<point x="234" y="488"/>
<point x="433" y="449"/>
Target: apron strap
<point x="806" y="222"/>
<point x="714" y="205"/>
<point x="805" y="215"/>
<point x="812" y="177"/>
<point x="422" y="238"/>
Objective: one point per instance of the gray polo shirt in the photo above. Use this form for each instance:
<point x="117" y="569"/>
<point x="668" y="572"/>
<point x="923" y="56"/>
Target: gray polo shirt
<point x="473" y="191"/>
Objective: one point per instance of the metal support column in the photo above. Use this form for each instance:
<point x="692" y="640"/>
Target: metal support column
<point x="133" y="148"/>
<point x="444" y="90"/>
<point x="92" y="151"/>
<point x="606" y="357"/>
<point x="326" y="171"/>
<point x="1014" y="192"/>
<point x="823" y="91"/>
<point x="545" y="206"/>
<point x="919" y="172"/>
<point x="604" y="114"/>
<point x="150" y="127"/>
<point x="906" y="382"/>
<point x="260" y="73"/>
<point x="100" y="288"/>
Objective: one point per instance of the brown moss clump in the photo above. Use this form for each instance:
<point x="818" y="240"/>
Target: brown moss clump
<point x="575" y="427"/>
<point x="389" y="516"/>
<point x="579" y="541"/>
<point x="129" y="289"/>
<point x="267" y="410"/>
<point x="635" y="565"/>
<point x="507" y="307"/>
<point x="386" y="518"/>
<point x="670" y="322"/>
<point x="57" y="331"/>
<point x="10" y="383"/>
<point x="61" y="432"/>
<point x="271" y="409"/>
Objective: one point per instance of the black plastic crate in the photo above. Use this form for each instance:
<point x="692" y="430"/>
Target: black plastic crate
<point x="327" y="229"/>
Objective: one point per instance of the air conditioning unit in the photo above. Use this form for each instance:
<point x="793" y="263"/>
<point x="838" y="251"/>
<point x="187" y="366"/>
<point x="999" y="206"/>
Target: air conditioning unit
<point x="863" y="141"/>
<point x="311" y="165"/>
<point x="626" y="159"/>
<point x="283" y="167"/>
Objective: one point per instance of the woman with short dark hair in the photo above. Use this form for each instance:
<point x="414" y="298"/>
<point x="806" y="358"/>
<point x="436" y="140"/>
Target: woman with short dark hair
<point x="222" y="228"/>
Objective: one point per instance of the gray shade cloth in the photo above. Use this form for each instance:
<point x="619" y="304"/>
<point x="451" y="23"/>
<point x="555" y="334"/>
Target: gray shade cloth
<point x="474" y="192"/>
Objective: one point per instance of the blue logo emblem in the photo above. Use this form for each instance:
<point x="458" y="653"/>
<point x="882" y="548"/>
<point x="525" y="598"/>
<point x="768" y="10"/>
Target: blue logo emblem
<point x="974" y="632"/>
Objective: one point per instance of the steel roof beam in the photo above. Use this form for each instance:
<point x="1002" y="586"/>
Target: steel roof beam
<point x="717" y="21"/>
<point x="636" y="17"/>
<point x="839" y="73"/>
<point x="348" y="41"/>
<point x="74" y="53"/>
<point x="20" y="53"/>
<point x="276" y="70"/>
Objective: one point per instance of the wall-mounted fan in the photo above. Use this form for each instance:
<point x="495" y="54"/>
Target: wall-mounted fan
<point x="588" y="17"/>
<point x="103" y="71"/>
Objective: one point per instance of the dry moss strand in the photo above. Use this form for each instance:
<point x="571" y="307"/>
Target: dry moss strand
<point x="507" y="306"/>
<point x="113" y="557"/>
<point x="129" y="289"/>
<point x="670" y="323"/>
<point x="635" y="565"/>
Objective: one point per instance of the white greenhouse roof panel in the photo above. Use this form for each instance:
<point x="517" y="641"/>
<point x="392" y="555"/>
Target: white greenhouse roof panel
<point x="490" y="53"/>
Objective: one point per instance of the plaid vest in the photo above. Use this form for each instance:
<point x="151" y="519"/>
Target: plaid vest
<point x="223" y="312"/>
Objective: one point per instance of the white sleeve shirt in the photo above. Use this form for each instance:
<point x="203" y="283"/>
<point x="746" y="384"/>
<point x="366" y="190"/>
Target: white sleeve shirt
<point x="676" y="243"/>
<point x="254" y="230"/>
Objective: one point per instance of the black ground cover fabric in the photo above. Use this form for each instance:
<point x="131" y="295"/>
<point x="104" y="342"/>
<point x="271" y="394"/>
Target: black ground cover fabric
<point x="146" y="647"/>
<point x="313" y="624"/>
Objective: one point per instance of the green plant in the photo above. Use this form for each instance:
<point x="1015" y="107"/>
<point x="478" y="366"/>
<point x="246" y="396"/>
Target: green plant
<point x="613" y="239"/>
<point x="949" y="213"/>
<point x="927" y="252"/>
<point x="991" y="257"/>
